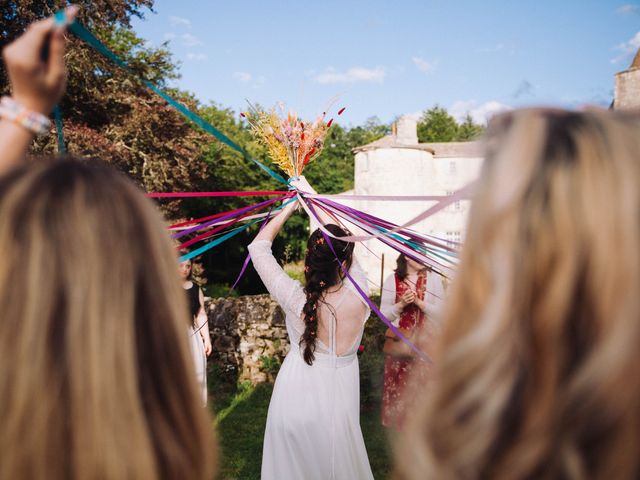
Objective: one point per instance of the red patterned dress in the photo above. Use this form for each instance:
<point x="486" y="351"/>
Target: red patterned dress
<point x="398" y="369"/>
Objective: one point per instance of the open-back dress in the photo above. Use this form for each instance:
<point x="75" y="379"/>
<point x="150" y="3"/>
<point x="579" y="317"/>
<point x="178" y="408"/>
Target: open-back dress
<point x="313" y="425"/>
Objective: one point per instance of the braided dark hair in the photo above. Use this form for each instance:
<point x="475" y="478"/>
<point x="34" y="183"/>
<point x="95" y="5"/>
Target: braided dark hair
<point x="321" y="271"/>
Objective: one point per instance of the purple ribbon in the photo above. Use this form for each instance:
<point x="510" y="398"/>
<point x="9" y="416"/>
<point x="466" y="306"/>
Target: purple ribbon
<point x="236" y="213"/>
<point x="423" y="356"/>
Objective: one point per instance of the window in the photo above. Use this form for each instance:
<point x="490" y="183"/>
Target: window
<point x="453" y="238"/>
<point x="455" y="206"/>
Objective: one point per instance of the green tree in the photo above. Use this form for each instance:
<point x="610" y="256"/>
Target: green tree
<point x="331" y="172"/>
<point x="107" y="113"/>
<point x="437" y="125"/>
<point x="469" y="130"/>
<point x="227" y="170"/>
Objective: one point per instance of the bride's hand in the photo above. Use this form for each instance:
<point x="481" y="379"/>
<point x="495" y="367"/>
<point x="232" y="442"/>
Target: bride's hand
<point x="302" y="184"/>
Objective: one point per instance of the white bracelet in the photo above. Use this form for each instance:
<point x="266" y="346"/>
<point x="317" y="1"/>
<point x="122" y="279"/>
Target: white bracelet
<point x="20" y="115"/>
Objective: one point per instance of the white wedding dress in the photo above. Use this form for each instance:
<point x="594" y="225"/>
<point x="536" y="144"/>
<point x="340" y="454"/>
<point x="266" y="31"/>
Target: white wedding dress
<point x="313" y="425"/>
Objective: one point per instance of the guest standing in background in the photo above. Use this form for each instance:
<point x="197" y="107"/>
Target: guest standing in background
<point x="199" y="337"/>
<point x="410" y="307"/>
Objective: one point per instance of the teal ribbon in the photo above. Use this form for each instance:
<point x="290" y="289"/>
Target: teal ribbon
<point x="83" y="34"/>
<point x="57" y="117"/>
<point x="228" y="235"/>
<point x="216" y="242"/>
<point x="60" y="18"/>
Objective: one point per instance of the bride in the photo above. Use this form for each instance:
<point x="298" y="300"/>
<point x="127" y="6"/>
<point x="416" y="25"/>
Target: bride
<point x="313" y="424"/>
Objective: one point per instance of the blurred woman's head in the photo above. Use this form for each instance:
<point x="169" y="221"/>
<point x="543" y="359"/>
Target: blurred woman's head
<point x="185" y="270"/>
<point x="405" y="264"/>
<point x="537" y="364"/>
<point x="96" y="379"/>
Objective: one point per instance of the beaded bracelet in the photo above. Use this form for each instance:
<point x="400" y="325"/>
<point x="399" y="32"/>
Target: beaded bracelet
<point x="20" y="115"/>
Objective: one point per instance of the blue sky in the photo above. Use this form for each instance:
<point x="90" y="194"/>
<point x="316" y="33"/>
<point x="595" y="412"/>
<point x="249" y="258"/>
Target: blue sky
<point x="397" y="57"/>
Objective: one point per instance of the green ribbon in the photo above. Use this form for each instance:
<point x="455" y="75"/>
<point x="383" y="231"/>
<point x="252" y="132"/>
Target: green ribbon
<point x="83" y="34"/>
<point x="57" y="117"/>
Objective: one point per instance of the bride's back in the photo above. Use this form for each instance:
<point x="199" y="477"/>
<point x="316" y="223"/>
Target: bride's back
<point x="333" y="315"/>
<point x="340" y="321"/>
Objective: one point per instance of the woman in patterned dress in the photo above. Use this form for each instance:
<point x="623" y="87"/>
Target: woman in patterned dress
<point x="406" y="303"/>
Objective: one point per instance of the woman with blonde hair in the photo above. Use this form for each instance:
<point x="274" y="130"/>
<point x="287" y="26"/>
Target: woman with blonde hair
<point x="536" y="370"/>
<point x="96" y="377"/>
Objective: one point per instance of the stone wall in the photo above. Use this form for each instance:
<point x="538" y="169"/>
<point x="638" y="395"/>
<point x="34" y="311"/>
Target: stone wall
<point x="627" y="90"/>
<point x="249" y="337"/>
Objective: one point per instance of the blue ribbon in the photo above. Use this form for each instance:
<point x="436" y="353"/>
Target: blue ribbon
<point x="57" y="117"/>
<point x="60" y="18"/>
<point x="83" y="34"/>
<point x="217" y="241"/>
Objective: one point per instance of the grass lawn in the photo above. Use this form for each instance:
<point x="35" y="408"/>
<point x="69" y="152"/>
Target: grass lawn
<point x="241" y="422"/>
<point x="241" y="414"/>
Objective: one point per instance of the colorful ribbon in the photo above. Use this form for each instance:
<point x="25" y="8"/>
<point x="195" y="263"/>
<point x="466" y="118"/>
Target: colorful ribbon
<point x="265" y="193"/>
<point x="83" y="34"/>
<point x="310" y="209"/>
<point x="57" y="118"/>
<point x="424" y="249"/>
<point x="218" y="241"/>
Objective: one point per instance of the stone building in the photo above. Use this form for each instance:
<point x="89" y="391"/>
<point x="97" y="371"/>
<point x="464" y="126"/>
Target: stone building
<point x="398" y="165"/>
<point x="249" y="333"/>
<point x="627" y="87"/>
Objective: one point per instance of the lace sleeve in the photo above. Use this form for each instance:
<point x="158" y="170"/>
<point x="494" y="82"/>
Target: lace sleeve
<point x="284" y="289"/>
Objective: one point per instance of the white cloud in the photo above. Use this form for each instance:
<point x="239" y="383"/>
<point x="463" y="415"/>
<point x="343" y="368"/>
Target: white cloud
<point x="424" y="65"/>
<point x="480" y="113"/>
<point x="179" y="21"/>
<point x="627" y="48"/>
<point x="242" y="77"/>
<point x="169" y="36"/>
<point x="198" y="57"/>
<point x="189" y="40"/>
<point x="629" y="9"/>
<point x="353" y="75"/>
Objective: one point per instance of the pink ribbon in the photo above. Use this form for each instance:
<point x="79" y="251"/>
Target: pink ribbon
<point x="265" y="193"/>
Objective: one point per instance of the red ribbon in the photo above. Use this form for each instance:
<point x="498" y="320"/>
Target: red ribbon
<point x="265" y="193"/>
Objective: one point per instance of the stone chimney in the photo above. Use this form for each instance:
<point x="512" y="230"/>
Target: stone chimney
<point x="627" y="92"/>
<point x="406" y="130"/>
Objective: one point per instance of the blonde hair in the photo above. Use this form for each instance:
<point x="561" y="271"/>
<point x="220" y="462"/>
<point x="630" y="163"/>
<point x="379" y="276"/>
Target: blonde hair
<point x="536" y="368"/>
<point x="96" y="379"/>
